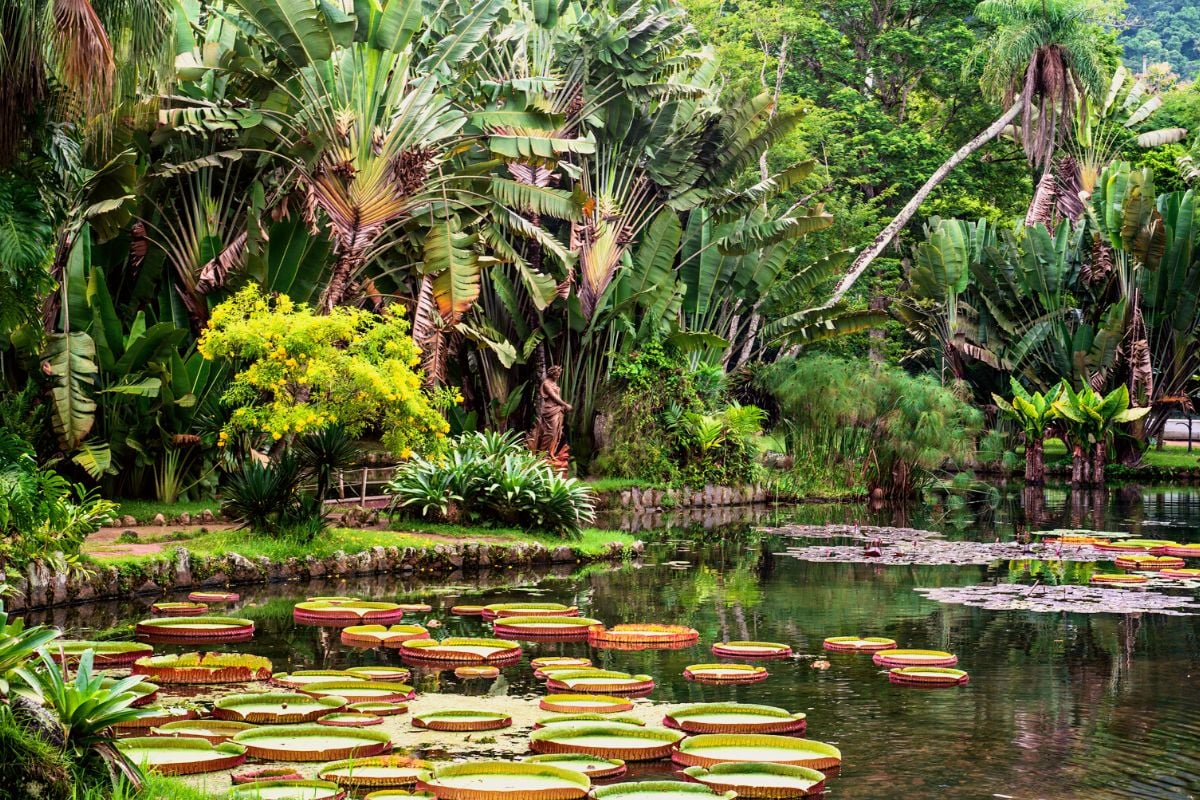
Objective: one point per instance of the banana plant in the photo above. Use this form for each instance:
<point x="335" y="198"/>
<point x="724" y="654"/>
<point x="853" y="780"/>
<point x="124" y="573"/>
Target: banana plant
<point x="1034" y="412"/>
<point x="1092" y="419"/>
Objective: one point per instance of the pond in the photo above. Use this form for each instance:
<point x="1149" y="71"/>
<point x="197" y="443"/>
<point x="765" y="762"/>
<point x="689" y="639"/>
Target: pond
<point x="1058" y="705"/>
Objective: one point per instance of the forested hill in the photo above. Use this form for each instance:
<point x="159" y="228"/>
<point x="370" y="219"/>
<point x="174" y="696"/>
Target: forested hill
<point x="1164" y="30"/>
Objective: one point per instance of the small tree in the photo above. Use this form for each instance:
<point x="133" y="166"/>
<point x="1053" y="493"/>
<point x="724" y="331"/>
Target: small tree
<point x="1092" y="419"/>
<point x="1034" y="413"/>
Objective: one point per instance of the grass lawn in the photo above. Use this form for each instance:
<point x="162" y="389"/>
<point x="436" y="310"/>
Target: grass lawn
<point x="621" y="484"/>
<point x="144" y="510"/>
<point x="1169" y="456"/>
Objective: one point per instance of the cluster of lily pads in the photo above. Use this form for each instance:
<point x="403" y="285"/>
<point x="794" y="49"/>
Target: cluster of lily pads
<point x="1162" y="558"/>
<point x="906" y="667"/>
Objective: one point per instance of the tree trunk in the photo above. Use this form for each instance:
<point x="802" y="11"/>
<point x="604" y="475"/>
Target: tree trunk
<point x="349" y="260"/>
<point x="1099" y="458"/>
<point x="1035" y="462"/>
<point x="910" y="209"/>
<point x="1077" y="459"/>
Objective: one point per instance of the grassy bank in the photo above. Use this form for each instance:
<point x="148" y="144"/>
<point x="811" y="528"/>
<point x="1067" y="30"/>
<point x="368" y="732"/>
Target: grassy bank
<point x="1169" y="457"/>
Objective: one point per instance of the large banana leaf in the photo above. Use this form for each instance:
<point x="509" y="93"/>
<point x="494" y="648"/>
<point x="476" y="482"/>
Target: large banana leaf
<point x="71" y="358"/>
<point x="455" y="266"/>
<point x="299" y="28"/>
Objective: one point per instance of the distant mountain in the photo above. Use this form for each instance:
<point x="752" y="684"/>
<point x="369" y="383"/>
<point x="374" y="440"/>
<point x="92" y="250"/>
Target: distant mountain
<point x="1163" y="30"/>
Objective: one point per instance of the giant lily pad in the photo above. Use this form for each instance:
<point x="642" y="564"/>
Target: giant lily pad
<point x="659" y="790"/>
<point x="179" y="609"/>
<point x="725" y="673"/>
<point x="286" y="790"/>
<point x="1177" y="550"/>
<point x="767" y="781"/>
<point x="600" y="681"/>
<point x="562" y="719"/>
<point x="214" y="597"/>
<point x="168" y="756"/>
<point x="105" y="654"/>
<point x="585" y="703"/>
<point x="506" y="780"/>
<point x="382" y="635"/>
<point x="595" y="768"/>
<point x="1183" y="574"/>
<point x="1134" y="545"/>
<point x="204" y="668"/>
<point x="146" y="692"/>
<point x="1117" y="579"/>
<point x="399" y="794"/>
<point x="467" y="611"/>
<point x="528" y="610"/>
<point x="295" y="680"/>
<point x="362" y="691"/>
<point x="476" y="651"/>
<point x="381" y="673"/>
<point x="859" y="644"/>
<point x="377" y="771"/>
<point x="156" y="715"/>
<point x="927" y="676"/>
<point x="914" y="658"/>
<point x="639" y="636"/>
<point x="312" y="742"/>
<point x="379" y="708"/>
<point x="735" y="718"/>
<point x="1071" y="599"/>
<point x="1148" y="563"/>
<point x="625" y="742"/>
<point x="709" y="749"/>
<point x="462" y="720"/>
<point x="543" y="628"/>
<point x="275" y="708"/>
<point x="482" y="672"/>
<point x="415" y="608"/>
<point x="350" y="719"/>
<point x="340" y="614"/>
<point x="211" y="730"/>
<point x="557" y="662"/>
<point x="265" y="774"/>
<point x="751" y="650"/>
<point x="193" y="629"/>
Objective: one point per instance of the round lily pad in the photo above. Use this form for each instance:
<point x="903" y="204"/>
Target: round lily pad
<point x="859" y="644"/>
<point x="275" y="708"/>
<point x="312" y="742"/>
<point x="399" y="794"/>
<point x="204" y="668"/>
<point x="735" y="718"/>
<point x="562" y="719"/>
<point x="927" y="676"/>
<point x="637" y="636"/>
<point x="286" y="790"/>
<point x="180" y="609"/>
<point x="362" y="691"/>
<point x="415" y="608"/>
<point x="1184" y="574"/>
<point x="376" y="771"/>
<point x="506" y="780"/>
<point x="709" y="749"/>
<point x="146" y="692"/>
<point x="914" y="658"/>
<point x="625" y="742"/>
<point x="1134" y="545"/>
<point x="659" y="790"/>
<point x="104" y="654"/>
<point x="340" y="614"/>
<point x="214" y="597"/>
<point x="212" y="730"/>
<point x="1148" y="563"/>
<point x="557" y="662"/>
<point x="188" y="629"/>
<point x="585" y="703"/>
<point x="751" y="650"/>
<point x="382" y="635"/>
<point x="1117" y="578"/>
<point x="265" y="774"/>
<point x="467" y="611"/>
<point x="592" y="766"/>
<point x="543" y="628"/>
<point x="478" y="651"/>
<point x="333" y="599"/>
<point x="394" y="674"/>
<point x="350" y="719"/>
<point x="529" y="610"/>
<point x="379" y="708"/>
<point x="469" y="673"/>
<point x="725" y="673"/>
<point x="462" y="720"/>
<point x="601" y="682"/>
<point x="767" y="781"/>
<point x="180" y="756"/>
<point x="157" y="715"/>
<point x="295" y="680"/>
<point x="1177" y="550"/>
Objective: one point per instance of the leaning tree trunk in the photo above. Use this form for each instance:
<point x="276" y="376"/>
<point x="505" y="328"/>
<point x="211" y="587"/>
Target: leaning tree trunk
<point x="910" y="209"/>
<point x="1099" y="458"/>
<point x="1077" y="461"/>
<point x="350" y="259"/>
<point x="1035" y="462"/>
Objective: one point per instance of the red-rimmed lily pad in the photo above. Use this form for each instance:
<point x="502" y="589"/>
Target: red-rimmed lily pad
<point x="181" y="756"/>
<point x="179" y="609"/>
<point x="914" y="658"/>
<point x="382" y="635"/>
<point x="381" y="673"/>
<point x="760" y="781"/>
<point x="1134" y="545"/>
<point x="146" y="692"/>
<point x="927" y="676"/>
<point x="600" y="681"/>
<point x="462" y="720"/>
<point x="399" y="794"/>
<point x="379" y="708"/>
<point x="859" y="644"/>
<point x="639" y="636"/>
<point x="362" y="691"/>
<point x="585" y="704"/>
<point x="350" y="719"/>
<point x="276" y="708"/>
<point x="709" y="749"/>
<point x="563" y="719"/>
<point x="415" y="608"/>
<point x="105" y="654"/>
<point x="725" y="673"/>
<point x="300" y="678"/>
<point x="157" y="715"/>
<point x="1183" y="574"/>
<point x="214" y="597"/>
<point x="557" y="662"/>
<point x="472" y="673"/>
<point x="287" y="790"/>
<point x="312" y="742"/>
<point x="594" y="767"/>
<point x="1117" y="579"/>
<point x="1177" y="550"/>
<point x="211" y="730"/>
<point x="543" y="628"/>
<point x="265" y="774"/>
<point x="477" y="651"/>
<point x="659" y="790"/>
<point x="204" y="668"/>
<point x="196" y="629"/>
<point x="505" y="780"/>
<point x="529" y="610"/>
<point x="1148" y="563"/>
<point x="625" y="742"/>
<point x="751" y="650"/>
<point x="467" y="611"/>
<point x="340" y="614"/>
<point x="337" y="598"/>
<point x="735" y="718"/>
<point x="376" y="771"/>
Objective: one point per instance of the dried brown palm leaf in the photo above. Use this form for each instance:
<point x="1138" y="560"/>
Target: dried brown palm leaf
<point x="85" y="64"/>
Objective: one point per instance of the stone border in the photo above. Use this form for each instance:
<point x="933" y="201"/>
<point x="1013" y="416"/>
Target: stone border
<point x="638" y="499"/>
<point x="43" y="586"/>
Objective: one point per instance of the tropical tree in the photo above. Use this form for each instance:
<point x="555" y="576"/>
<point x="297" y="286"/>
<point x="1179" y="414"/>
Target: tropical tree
<point x="1034" y="412"/>
<point x="1091" y="420"/>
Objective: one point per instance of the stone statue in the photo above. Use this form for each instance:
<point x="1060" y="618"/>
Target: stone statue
<point x="548" y="431"/>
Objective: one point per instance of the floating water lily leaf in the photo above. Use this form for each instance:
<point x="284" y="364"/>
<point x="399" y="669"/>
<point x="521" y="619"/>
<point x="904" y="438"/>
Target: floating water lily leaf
<point x="480" y="651"/>
<point x="105" y="654"/>
<point x="265" y="774"/>
<point x="275" y="708"/>
<point x="357" y="691"/>
<point x="312" y="742"/>
<point x="599" y="681"/>
<point x="707" y="750"/>
<point x="180" y="756"/>
<point x="927" y="676"/>
<point x="294" y="680"/>
<point x="591" y="766"/>
<point x="188" y="609"/>
<point x="1149" y="563"/>
<point x="157" y="715"/>
<point x="760" y="780"/>
<point x="528" y="610"/>
<point x="212" y="730"/>
<point x="543" y="627"/>
<point x="214" y="597"/>
<point x="643" y="636"/>
<point x="659" y="790"/>
<point x="585" y="703"/>
<point x="462" y="720"/>
<point x="394" y="674"/>
<point x="286" y="790"/>
<point x="859" y="644"/>
<point x="1071" y="599"/>
<point x="184" y="629"/>
<point x="735" y="718"/>
<point x="343" y="613"/>
<point x="378" y="771"/>
<point x="914" y="658"/>
<point x="467" y="611"/>
<point x="469" y="673"/>
<point x="204" y="668"/>
<point x="725" y="673"/>
<point x="751" y="650"/>
<point x="506" y="780"/>
<point x="377" y="635"/>
<point x="624" y="742"/>
<point x="350" y="719"/>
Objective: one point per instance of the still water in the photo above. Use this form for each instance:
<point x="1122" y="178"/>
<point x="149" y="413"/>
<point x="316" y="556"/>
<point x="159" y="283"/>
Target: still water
<point x="1058" y="705"/>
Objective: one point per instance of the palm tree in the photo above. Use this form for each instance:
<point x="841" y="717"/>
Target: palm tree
<point x="1041" y="55"/>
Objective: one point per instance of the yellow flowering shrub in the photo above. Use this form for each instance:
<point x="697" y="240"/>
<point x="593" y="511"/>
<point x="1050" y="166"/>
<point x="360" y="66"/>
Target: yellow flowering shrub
<point x="299" y="371"/>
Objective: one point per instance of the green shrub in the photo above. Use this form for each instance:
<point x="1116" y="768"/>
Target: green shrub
<point x="493" y="478"/>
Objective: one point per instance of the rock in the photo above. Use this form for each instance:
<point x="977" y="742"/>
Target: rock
<point x="315" y="566"/>
<point x="207" y="515"/>
<point x="182" y="567"/>
<point x="217" y="578"/>
<point x="59" y="587"/>
<point x="147" y="587"/>
<point x="128" y="521"/>
<point x="38" y="577"/>
<point x="159" y="519"/>
<point x="185" y="518"/>
<point x="562" y="554"/>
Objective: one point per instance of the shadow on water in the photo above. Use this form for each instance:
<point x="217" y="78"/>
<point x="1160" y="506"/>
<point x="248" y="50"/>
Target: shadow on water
<point x="1059" y="706"/>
